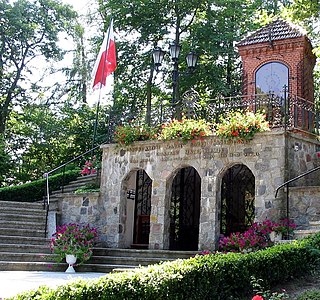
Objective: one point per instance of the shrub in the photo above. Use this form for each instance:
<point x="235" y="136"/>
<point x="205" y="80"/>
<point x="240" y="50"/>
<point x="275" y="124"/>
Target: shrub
<point x="217" y="276"/>
<point x="310" y="295"/>
<point x="36" y="190"/>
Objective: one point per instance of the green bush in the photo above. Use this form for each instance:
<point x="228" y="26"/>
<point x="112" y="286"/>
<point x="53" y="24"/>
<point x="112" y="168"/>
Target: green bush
<point x="215" y="276"/>
<point x="36" y="190"/>
<point x="310" y="295"/>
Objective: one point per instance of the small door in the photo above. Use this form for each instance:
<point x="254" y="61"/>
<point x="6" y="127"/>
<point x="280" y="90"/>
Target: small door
<point x="142" y="209"/>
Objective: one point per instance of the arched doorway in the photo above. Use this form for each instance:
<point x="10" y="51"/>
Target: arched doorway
<point x="237" y="199"/>
<point x="185" y="210"/>
<point x="142" y="210"/>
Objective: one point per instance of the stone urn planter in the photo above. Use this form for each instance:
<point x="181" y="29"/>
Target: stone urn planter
<point x="71" y="260"/>
<point x="275" y="236"/>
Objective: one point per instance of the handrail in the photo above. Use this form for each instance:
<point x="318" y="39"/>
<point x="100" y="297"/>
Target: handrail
<point x="295" y="178"/>
<point x="46" y="175"/>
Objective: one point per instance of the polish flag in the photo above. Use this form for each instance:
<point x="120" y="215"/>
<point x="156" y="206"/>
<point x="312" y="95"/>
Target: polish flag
<point x="106" y="62"/>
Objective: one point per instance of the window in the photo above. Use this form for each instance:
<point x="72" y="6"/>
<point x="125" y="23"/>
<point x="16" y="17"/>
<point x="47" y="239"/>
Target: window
<point x="272" y="78"/>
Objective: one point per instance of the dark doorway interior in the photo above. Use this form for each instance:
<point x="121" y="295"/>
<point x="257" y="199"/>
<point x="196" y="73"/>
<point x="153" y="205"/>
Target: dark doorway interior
<point x="142" y="210"/>
<point x="237" y="200"/>
<point x="185" y="210"/>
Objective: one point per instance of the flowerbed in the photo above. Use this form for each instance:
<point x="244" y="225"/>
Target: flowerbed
<point x="238" y="126"/>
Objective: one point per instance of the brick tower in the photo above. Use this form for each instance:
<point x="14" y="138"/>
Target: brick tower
<point x="277" y="55"/>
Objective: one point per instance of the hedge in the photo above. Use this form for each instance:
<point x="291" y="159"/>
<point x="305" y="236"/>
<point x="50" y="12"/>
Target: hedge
<point x="215" y="276"/>
<point x="36" y="190"/>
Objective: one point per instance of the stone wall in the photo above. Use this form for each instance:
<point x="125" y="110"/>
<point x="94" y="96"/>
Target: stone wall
<point x="264" y="156"/>
<point x="303" y="151"/>
<point x="84" y="208"/>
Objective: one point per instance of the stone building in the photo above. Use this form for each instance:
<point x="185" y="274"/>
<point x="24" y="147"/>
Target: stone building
<point x="183" y="196"/>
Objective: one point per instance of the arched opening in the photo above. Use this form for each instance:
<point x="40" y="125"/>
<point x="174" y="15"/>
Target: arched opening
<point x="237" y="199"/>
<point x="185" y="210"/>
<point x="142" y="210"/>
<point x="271" y="78"/>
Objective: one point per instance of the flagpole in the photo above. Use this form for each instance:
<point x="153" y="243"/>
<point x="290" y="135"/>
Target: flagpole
<point x="100" y="87"/>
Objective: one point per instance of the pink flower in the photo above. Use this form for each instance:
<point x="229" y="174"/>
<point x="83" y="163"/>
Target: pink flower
<point x="257" y="297"/>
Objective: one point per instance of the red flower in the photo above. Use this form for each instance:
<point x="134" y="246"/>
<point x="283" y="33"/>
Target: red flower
<point x="257" y="297"/>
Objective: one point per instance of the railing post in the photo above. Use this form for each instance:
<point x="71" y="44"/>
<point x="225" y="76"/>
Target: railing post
<point x="288" y="207"/>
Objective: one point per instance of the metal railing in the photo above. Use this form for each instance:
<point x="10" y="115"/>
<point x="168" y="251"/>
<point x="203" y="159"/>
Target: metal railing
<point x="287" y="185"/>
<point x="287" y="111"/>
<point x="46" y="201"/>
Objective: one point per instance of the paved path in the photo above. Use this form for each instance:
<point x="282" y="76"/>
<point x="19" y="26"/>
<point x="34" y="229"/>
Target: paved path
<point x="14" y="282"/>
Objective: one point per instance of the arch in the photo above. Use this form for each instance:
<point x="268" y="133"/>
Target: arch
<point x="237" y="210"/>
<point x="184" y="209"/>
<point x="136" y="208"/>
<point x="271" y="77"/>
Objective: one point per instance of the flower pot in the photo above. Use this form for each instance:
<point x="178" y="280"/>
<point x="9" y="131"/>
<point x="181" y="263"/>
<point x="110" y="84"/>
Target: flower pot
<point x="71" y="260"/>
<point x="275" y="236"/>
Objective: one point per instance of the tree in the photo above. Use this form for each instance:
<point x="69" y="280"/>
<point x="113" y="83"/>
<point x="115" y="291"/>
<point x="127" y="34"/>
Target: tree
<point x="211" y="27"/>
<point x="29" y="30"/>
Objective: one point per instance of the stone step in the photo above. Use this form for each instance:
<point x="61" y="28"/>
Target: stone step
<point x="23" y="211"/>
<point x="24" y="248"/>
<point x="22" y="224"/>
<point x="163" y="254"/>
<point x="27" y="205"/>
<point x="22" y="232"/>
<point x="26" y="257"/>
<point x="31" y="266"/>
<point x="20" y="217"/>
<point x="79" y="183"/>
<point x="6" y="239"/>
<point x="124" y="261"/>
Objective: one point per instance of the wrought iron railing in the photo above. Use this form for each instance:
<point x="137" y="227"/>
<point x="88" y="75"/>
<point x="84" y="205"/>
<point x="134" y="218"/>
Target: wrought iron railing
<point x="46" y="203"/>
<point x="287" y="185"/>
<point x="287" y="111"/>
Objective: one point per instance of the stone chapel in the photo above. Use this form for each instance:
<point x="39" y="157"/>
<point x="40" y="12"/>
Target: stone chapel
<point x="183" y="196"/>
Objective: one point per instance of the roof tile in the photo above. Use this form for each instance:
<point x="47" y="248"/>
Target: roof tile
<point x="276" y="30"/>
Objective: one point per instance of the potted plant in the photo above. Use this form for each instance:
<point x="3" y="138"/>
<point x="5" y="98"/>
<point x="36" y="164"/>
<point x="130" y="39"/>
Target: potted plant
<point x="73" y="239"/>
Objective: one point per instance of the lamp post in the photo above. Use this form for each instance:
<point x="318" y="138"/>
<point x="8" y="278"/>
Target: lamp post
<point x="174" y="51"/>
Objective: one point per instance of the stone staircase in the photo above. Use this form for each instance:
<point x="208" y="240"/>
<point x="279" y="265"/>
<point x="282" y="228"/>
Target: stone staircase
<point x="24" y="247"/>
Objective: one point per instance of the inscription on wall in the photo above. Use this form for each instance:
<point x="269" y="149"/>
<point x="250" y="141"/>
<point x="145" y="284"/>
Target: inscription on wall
<point x="209" y="149"/>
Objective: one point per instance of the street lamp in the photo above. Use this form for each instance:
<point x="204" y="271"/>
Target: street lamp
<point x="174" y="51"/>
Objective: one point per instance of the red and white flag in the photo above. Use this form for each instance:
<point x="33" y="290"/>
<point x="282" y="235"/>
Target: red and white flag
<point x="106" y="62"/>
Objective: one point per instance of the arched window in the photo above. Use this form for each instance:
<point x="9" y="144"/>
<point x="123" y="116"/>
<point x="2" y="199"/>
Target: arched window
<point x="272" y="77"/>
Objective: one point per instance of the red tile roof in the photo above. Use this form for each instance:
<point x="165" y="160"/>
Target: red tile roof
<point x="276" y="30"/>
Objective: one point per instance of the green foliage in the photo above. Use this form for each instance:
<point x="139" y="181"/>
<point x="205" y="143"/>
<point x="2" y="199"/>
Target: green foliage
<point x="310" y="295"/>
<point x="127" y="134"/>
<point x="89" y="188"/>
<point x="241" y="126"/>
<point x="216" y="276"/>
<point x="185" y="130"/>
<point x="36" y="190"/>
<point x="29" y="29"/>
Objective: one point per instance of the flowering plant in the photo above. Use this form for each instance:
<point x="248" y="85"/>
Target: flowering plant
<point x="73" y="239"/>
<point x="241" y="126"/>
<point x="127" y="134"/>
<point x="255" y="238"/>
<point x="185" y="129"/>
<point x="89" y="167"/>
<point x="284" y="226"/>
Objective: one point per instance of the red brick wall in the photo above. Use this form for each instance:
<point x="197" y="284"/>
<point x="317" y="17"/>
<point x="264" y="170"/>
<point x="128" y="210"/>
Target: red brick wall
<point x="295" y="53"/>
